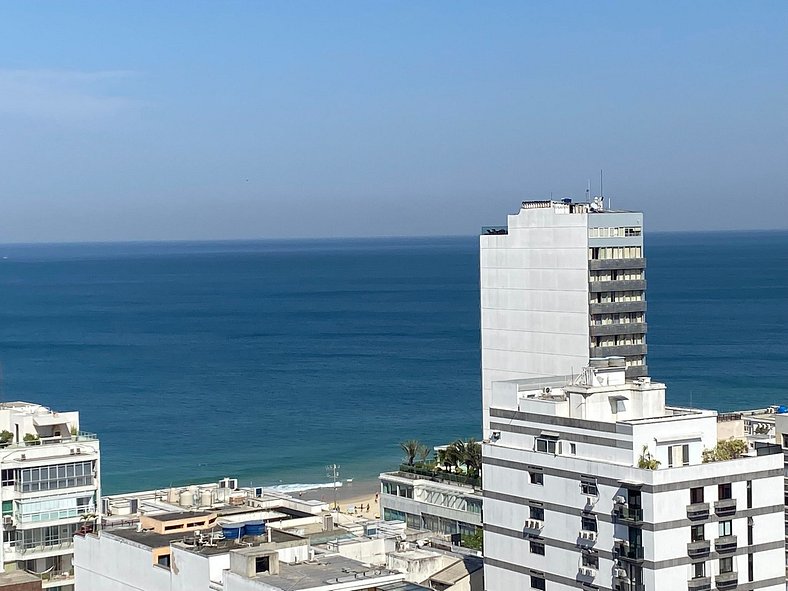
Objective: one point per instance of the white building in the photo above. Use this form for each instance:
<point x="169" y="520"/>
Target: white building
<point x="50" y="486"/>
<point x="442" y="503"/>
<point x="567" y="505"/>
<point x="561" y="283"/>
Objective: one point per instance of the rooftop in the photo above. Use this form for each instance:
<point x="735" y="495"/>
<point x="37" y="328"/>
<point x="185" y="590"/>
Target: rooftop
<point x="152" y="539"/>
<point x="326" y="570"/>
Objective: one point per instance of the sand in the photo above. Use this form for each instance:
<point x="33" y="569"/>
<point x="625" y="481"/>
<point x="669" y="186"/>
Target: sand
<point x="350" y="494"/>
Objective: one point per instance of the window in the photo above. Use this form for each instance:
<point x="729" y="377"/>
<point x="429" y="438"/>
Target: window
<point x="474" y="506"/>
<point x="726" y="565"/>
<point x="590" y="560"/>
<point x="749" y="494"/>
<point x="55" y="477"/>
<point x="750" y="569"/>
<point x="785" y="440"/>
<point x="572" y="448"/>
<point x="589" y="488"/>
<point x="163" y="560"/>
<point x="537" y="548"/>
<point x="8" y="477"/>
<point x="726" y="528"/>
<point x="725" y="491"/>
<point x="536" y="513"/>
<point x="588" y="523"/>
<point x="697" y="533"/>
<point x="749" y="531"/>
<point x="536" y="478"/>
<point x="546" y="445"/>
<point x="678" y="455"/>
<point x="698" y="570"/>
<point x="696" y="495"/>
<point x="538" y="583"/>
<point x="262" y="564"/>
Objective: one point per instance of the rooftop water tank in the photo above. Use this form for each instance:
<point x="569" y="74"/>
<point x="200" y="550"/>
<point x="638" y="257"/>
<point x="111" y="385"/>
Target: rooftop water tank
<point x="186" y="499"/>
<point x="206" y="497"/>
<point x="254" y="528"/>
<point x="232" y="531"/>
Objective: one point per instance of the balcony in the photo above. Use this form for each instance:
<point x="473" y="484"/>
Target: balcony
<point x="533" y="525"/>
<point x="725" y="507"/>
<point x="698" y="511"/>
<point x="619" y="350"/>
<point x="601" y="330"/>
<point x="698" y="549"/>
<point x="44" y="550"/>
<point x="726" y="580"/>
<point x="699" y="584"/>
<point x="631" y="552"/>
<point x="82" y="436"/>
<point x="629" y="514"/>
<point x="55" y="578"/>
<point x="603" y="264"/>
<point x="725" y="544"/>
<point x="617" y="307"/>
<point x="617" y="285"/>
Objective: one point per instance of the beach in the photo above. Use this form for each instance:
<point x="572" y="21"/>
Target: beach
<point x="351" y="497"/>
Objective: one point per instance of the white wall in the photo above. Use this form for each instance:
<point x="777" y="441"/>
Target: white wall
<point x="534" y="298"/>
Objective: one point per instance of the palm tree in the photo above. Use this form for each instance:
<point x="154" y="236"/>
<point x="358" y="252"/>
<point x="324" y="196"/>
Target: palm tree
<point x="469" y="453"/>
<point x="424" y="453"/>
<point x="411" y="449"/>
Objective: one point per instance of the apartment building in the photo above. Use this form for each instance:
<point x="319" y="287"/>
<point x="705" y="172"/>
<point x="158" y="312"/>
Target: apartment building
<point x="444" y="503"/>
<point x="560" y="283"/>
<point x="49" y="486"/>
<point x="595" y="483"/>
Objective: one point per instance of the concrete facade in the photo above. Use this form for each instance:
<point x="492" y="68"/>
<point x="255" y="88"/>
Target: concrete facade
<point x="50" y="486"/>
<point x="431" y="503"/>
<point x="566" y="504"/>
<point x="561" y="283"/>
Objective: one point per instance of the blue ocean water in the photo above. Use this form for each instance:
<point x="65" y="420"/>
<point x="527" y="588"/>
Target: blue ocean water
<point x="269" y="360"/>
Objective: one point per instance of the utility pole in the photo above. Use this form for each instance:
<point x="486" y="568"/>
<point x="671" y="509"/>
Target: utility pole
<point x="332" y="471"/>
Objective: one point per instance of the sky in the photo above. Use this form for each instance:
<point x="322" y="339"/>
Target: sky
<point x="221" y="120"/>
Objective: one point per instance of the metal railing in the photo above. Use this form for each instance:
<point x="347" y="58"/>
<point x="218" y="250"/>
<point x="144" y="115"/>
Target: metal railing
<point x="81" y="436"/>
<point x="441" y="476"/>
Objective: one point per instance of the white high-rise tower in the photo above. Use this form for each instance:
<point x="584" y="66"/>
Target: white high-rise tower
<point x="561" y="283"/>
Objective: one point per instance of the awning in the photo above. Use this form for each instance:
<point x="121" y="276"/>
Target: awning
<point x="679" y="437"/>
<point x="48" y="420"/>
<point x="550" y="434"/>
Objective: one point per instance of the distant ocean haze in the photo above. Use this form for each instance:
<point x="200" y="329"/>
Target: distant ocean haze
<point x="269" y="360"/>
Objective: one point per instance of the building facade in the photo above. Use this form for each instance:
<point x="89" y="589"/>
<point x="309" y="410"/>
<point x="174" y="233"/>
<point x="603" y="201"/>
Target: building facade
<point x="596" y="483"/>
<point x="561" y="283"/>
<point x="431" y="501"/>
<point x="50" y="486"/>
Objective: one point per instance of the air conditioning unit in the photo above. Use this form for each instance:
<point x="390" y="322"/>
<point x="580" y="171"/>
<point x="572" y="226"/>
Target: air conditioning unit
<point x="587" y="535"/>
<point x="8" y="520"/>
<point x="534" y="524"/>
<point x="496" y="435"/>
<point x="620" y="500"/>
<point x="547" y="389"/>
<point x="619" y="573"/>
<point x="587" y="571"/>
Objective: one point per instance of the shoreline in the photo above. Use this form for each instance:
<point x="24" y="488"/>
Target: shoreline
<point x="354" y="498"/>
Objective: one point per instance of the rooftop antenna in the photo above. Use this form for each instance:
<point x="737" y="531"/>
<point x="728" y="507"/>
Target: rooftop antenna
<point x="601" y="192"/>
<point x="588" y="192"/>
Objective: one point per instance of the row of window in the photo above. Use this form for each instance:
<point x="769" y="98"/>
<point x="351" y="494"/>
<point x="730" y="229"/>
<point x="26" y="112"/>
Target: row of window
<point x="399" y="490"/>
<point x="621" y="318"/>
<point x="53" y="477"/>
<point x="724" y="492"/>
<point x="430" y="522"/>
<point x="725" y="566"/>
<point x="602" y="253"/>
<point x="616" y="275"/>
<point x="617" y="340"/>
<point x="613" y="297"/>
<point x="620" y="232"/>
<point x="54" y="509"/>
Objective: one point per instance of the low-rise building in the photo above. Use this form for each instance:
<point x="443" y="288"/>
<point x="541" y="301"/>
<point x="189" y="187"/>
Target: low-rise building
<point x="50" y="485"/>
<point x="444" y="503"/>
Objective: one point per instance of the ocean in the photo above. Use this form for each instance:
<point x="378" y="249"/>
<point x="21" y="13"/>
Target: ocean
<point x="269" y="360"/>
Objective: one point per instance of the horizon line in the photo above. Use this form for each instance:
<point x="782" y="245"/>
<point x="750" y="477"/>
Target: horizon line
<point x="325" y="238"/>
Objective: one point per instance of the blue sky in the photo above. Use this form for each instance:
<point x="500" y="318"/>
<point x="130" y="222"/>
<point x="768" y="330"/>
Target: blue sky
<point x="209" y="120"/>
